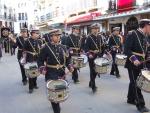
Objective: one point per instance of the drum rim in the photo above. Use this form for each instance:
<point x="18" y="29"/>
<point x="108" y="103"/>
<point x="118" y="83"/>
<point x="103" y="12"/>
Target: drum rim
<point x="30" y="63"/>
<point x="60" y="100"/>
<point x="141" y="87"/>
<point x="49" y="81"/>
<point x="143" y="75"/>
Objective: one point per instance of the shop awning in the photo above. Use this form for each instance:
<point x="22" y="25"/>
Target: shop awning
<point x="83" y="18"/>
<point x="124" y="14"/>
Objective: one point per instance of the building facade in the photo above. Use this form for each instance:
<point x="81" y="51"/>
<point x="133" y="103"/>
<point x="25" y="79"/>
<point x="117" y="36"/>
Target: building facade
<point x="7" y="14"/>
<point x="55" y="13"/>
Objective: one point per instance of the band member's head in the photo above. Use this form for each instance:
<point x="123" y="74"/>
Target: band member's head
<point x="76" y="29"/>
<point x="116" y="30"/>
<point x="95" y="28"/>
<point x="55" y="35"/>
<point x="35" y="34"/>
<point x="24" y="32"/>
<point x="144" y="24"/>
<point x="5" y="32"/>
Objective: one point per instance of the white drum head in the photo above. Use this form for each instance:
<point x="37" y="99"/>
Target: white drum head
<point x="119" y="56"/>
<point x="101" y="61"/>
<point x="85" y="58"/>
<point x="146" y="74"/>
<point x="52" y="83"/>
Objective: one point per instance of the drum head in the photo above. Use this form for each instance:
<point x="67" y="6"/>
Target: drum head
<point x="52" y="84"/>
<point x="119" y="56"/>
<point x="30" y="65"/>
<point x="101" y="61"/>
<point x="85" y="58"/>
<point x="146" y="74"/>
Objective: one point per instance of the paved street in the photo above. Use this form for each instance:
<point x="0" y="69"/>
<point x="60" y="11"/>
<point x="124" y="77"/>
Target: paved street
<point x="110" y="98"/>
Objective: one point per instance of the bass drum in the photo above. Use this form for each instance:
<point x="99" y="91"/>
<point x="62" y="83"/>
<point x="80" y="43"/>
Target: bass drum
<point x="57" y="90"/>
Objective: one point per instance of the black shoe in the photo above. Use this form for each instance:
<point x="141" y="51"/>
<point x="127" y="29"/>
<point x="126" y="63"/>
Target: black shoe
<point x="90" y="86"/>
<point x="131" y="102"/>
<point x="112" y="73"/>
<point x="36" y="87"/>
<point x="94" y="89"/>
<point x="142" y="109"/>
<point x="24" y="83"/>
<point x="30" y="91"/>
<point x="76" y="81"/>
<point x="118" y="76"/>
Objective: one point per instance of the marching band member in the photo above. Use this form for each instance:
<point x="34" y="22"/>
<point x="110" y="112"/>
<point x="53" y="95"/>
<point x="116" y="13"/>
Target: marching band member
<point x="20" y="41"/>
<point x="135" y="49"/>
<point x="115" y="47"/>
<point x="55" y="56"/>
<point x="75" y="45"/>
<point x="4" y="34"/>
<point x="31" y="53"/>
<point x="94" y="47"/>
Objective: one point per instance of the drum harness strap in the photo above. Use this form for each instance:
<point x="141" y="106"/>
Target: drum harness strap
<point x="143" y="55"/>
<point x="98" y="50"/>
<point x="117" y="46"/>
<point x="58" y="66"/>
<point x="20" y="43"/>
<point x="33" y="53"/>
<point x="79" y="43"/>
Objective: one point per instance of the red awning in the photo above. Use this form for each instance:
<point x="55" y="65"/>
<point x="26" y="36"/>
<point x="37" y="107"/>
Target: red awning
<point x="126" y="5"/>
<point x="83" y="18"/>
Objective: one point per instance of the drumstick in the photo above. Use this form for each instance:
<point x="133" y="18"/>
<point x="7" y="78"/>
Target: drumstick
<point x="145" y="61"/>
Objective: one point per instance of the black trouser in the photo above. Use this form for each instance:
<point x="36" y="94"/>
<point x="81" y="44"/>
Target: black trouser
<point x="92" y="73"/>
<point x="24" y="78"/>
<point x="56" y="107"/>
<point x="6" y="46"/>
<point x="114" y="67"/>
<point x="75" y="74"/>
<point x="134" y="93"/>
<point x="12" y="49"/>
<point x="32" y="82"/>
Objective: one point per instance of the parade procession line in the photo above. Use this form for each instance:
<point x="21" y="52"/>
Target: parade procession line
<point x="110" y="98"/>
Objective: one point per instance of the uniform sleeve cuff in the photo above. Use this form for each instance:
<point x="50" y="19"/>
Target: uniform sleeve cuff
<point x="133" y="58"/>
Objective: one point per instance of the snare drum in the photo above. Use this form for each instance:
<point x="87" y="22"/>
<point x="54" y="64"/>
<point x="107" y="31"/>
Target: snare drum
<point x="143" y="81"/>
<point x="57" y="90"/>
<point x="101" y="65"/>
<point x="79" y="61"/>
<point x="31" y="70"/>
<point x="121" y="59"/>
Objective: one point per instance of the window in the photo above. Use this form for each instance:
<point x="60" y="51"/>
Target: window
<point x="19" y="16"/>
<point x="95" y="2"/>
<point x="42" y="18"/>
<point x="10" y="24"/>
<point x="9" y="16"/>
<point x="26" y="16"/>
<point x="22" y="16"/>
<point x="5" y="15"/>
<point x="20" y="26"/>
<point x="48" y="16"/>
